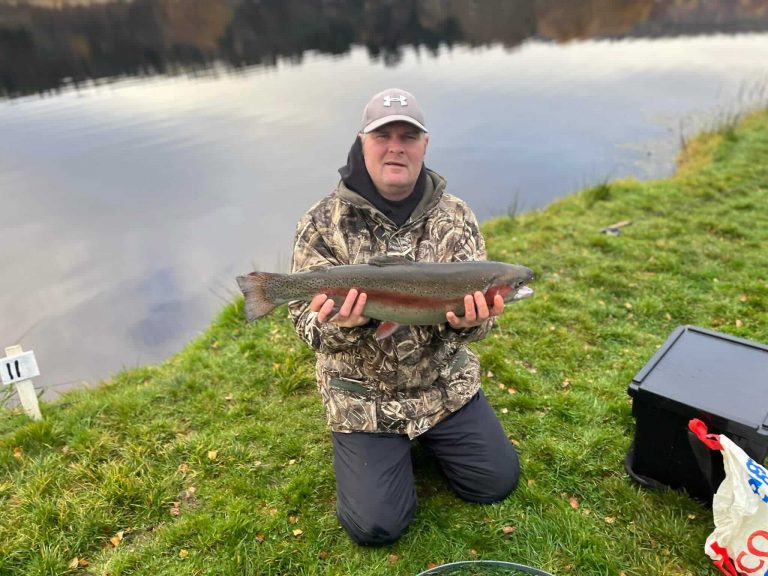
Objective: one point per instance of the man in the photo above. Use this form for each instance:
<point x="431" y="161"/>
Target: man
<point x="422" y="381"/>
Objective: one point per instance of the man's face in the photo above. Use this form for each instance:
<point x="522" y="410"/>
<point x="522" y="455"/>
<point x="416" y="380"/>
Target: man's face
<point x="393" y="157"/>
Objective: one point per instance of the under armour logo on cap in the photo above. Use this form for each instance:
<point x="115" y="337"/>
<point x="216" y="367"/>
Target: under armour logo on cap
<point x="380" y="110"/>
<point x="402" y="99"/>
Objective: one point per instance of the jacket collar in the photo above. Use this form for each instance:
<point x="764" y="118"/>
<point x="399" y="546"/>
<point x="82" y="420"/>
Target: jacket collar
<point x="434" y="186"/>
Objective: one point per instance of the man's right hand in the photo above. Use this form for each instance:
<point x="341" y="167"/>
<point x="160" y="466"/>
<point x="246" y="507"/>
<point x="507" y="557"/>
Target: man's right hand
<point x="350" y="315"/>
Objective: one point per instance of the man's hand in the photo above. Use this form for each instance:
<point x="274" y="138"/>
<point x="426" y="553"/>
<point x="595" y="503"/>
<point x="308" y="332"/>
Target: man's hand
<point x="349" y="315"/>
<point x="476" y="311"/>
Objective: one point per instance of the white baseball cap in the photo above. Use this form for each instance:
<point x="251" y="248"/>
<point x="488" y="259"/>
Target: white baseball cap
<point x="392" y="105"/>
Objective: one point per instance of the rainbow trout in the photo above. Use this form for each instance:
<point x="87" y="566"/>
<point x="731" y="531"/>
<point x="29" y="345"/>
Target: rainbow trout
<point x="399" y="290"/>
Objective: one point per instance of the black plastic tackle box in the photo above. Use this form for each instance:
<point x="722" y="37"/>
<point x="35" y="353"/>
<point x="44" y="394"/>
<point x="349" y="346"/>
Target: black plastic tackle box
<point x="697" y="373"/>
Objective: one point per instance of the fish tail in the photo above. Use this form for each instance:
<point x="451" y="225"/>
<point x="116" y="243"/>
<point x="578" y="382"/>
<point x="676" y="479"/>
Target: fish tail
<point x="254" y="288"/>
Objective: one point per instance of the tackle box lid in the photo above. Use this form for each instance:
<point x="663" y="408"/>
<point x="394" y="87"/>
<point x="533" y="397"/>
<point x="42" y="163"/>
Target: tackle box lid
<point x="708" y="372"/>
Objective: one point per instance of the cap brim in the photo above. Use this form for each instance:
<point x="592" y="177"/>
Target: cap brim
<point x="394" y="118"/>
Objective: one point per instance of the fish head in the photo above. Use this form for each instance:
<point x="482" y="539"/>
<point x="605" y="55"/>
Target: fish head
<point x="511" y="283"/>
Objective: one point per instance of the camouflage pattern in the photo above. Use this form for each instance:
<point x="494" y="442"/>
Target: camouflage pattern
<point x="410" y="381"/>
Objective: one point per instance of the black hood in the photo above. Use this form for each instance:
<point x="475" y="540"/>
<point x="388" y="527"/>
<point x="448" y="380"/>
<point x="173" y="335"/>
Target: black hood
<point x="355" y="177"/>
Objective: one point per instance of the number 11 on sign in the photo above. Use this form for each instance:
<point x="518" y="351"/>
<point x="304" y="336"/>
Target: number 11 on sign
<point x="16" y="369"/>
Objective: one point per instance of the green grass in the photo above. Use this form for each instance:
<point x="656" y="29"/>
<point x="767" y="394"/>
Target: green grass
<point x="208" y="463"/>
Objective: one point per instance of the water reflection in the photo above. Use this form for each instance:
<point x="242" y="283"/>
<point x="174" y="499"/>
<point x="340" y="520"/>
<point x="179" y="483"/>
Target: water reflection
<point x="45" y="49"/>
<point x="129" y="205"/>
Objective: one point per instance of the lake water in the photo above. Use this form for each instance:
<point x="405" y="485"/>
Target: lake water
<point x="148" y="156"/>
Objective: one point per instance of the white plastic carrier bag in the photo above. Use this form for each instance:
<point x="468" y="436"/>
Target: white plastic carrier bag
<point x="739" y="544"/>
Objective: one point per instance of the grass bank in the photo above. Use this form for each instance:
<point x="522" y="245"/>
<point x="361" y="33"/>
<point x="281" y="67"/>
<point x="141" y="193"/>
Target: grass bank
<point x="218" y="460"/>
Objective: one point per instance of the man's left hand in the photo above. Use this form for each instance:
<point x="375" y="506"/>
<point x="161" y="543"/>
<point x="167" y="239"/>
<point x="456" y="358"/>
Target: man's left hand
<point x="476" y="311"/>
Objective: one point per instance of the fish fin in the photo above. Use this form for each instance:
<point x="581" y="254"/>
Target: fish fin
<point x="253" y="287"/>
<point x="386" y="329"/>
<point x="389" y="261"/>
<point x="337" y="302"/>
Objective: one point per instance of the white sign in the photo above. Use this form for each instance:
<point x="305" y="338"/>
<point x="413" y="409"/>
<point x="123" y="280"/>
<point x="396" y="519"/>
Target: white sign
<point x="17" y="368"/>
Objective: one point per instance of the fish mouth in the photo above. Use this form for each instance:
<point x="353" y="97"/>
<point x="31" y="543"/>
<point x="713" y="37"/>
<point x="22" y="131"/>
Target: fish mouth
<point x="513" y="292"/>
<point x="522" y="292"/>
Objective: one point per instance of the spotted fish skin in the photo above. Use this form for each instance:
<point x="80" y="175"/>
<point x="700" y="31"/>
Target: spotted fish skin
<point x="398" y="290"/>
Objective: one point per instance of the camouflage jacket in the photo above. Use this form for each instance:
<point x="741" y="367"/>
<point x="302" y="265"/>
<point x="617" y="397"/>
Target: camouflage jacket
<point x="410" y="381"/>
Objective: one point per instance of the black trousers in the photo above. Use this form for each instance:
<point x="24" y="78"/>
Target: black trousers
<point x="375" y="492"/>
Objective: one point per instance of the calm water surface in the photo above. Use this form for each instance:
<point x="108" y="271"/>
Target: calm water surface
<point x="130" y="202"/>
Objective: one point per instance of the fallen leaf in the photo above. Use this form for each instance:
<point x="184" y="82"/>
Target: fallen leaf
<point x="393" y="558"/>
<point x="259" y="537"/>
<point x="298" y="532"/>
<point x="511" y="390"/>
<point x="489" y="374"/>
<point x="213" y="454"/>
<point x="183" y="553"/>
<point x="18" y="452"/>
<point x="472" y="552"/>
<point x="293" y="519"/>
<point x="573" y="502"/>
<point x="322" y="555"/>
<point x="431" y="565"/>
<point x="691" y="516"/>
<point x="504" y="410"/>
<point x="566" y="384"/>
<point x="501" y="386"/>
<point x="117" y="538"/>
<point x="175" y="508"/>
<point x="531" y="482"/>
<point x="183" y="467"/>
<point x="739" y="323"/>
<point x="743" y="298"/>
<point x="188" y="495"/>
<point x="508" y="529"/>
<point x="74" y="563"/>
<point x="229" y="397"/>
<point x="292" y="461"/>
<point x="609" y="519"/>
